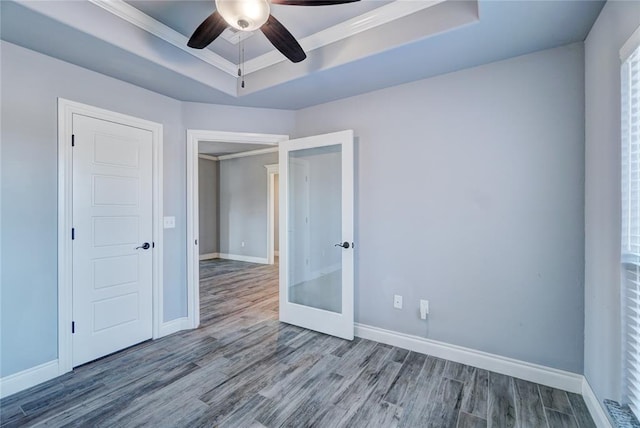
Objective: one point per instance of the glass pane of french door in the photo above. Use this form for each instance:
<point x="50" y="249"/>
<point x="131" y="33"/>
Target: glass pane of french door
<point x="315" y="227"/>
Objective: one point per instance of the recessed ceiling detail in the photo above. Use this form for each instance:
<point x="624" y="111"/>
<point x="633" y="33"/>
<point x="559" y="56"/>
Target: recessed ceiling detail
<point x="386" y="13"/>
<point x="350" y="49"/>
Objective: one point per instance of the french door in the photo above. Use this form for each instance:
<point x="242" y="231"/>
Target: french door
<point x="316" y="233"/>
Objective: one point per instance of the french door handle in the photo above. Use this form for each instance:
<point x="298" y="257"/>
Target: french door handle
<point x="345" y="244"/>
<point x="144" y="246"/>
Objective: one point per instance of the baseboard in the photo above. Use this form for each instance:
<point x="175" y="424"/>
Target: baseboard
<point x="248" y="259"/>
<point x="548" y="376"/>
<point x="598" y="413"/>
<point x="174" y="326"/>
<point x="209" y="256"/>
<point x="20" y="381"/>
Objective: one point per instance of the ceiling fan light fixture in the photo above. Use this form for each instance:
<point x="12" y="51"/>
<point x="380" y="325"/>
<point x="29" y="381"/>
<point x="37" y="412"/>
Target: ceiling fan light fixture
<point x="244" y="15"/>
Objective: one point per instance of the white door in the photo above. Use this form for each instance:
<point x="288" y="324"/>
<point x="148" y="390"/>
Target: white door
<point x="316" y="233"/>
<point x="112" y="237"/>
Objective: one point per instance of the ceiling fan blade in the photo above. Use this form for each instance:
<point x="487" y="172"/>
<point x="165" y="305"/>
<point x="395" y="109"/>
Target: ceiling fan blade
<point x="207" y="32"/>
<point x="312" y="2"/>
<point x="283" y="40"/>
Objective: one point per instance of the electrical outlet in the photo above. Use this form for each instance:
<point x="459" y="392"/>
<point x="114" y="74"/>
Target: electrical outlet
<point x="424" y="309"/>
<point x="397" y="301"/>
<point x="242" y="244"/>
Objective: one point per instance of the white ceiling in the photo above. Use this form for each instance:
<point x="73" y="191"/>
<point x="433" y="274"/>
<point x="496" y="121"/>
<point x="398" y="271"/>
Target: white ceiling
<point x="352" y="48"/>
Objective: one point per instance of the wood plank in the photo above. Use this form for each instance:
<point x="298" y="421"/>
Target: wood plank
<point x="476" y="387"/>
<point x="405" y="382"/>
<point x="375" y="412"/>
<point x="560" y="420"/>
<point x="580" y="411"/>
<point x="467" y="420"/>
<point x="555" y="399"/>
<point x="502" y="409"/>
<point x="444" y="410"/>
<point x="347" y="400"/>
<point x="529" y="409"/>
<point x="430" y="387"/>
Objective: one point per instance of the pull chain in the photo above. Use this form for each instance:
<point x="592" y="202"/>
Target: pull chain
<point x="239" y="57"/>
<point x="242" y="62"/>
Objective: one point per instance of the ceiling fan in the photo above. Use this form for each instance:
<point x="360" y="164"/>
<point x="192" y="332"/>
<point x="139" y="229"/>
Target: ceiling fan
<point x="250" y="15"/>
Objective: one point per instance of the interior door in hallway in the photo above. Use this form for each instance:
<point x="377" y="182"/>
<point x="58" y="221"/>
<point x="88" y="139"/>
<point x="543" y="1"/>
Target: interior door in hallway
<point x="112" y="237"/>
<point x="316" y="233"/>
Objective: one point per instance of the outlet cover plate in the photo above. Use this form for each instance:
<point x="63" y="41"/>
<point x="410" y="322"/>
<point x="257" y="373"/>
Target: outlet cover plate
<point x="169" y="222"/>
<point x="397" y="301"/>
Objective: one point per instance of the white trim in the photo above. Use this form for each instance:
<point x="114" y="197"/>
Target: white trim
<point x="630" y="45"/>
<point x="193" y="232"/>
<point x="555" y="378"/>
<point x="272" y="170"/>
<point x="66" y="110"/>
<point x="209" y="256"/>
<point x="236" y="137"/>
<point x="195" y="136"/>
<point x="367" y="21"/>
<point x="241" y="258"/>
<point x="593" y="404"/>
<point x="141" y="20"/>
<point x="207" y="157"/>
<point x="33" y="376"/>
<point x="174" y="326"/>
<point x="249" y="153"/>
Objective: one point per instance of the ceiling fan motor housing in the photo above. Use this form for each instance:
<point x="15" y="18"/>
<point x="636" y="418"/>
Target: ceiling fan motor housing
<point x="244" y="15"/>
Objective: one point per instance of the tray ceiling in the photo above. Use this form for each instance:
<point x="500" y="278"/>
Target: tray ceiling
<point x="352" y="48"/>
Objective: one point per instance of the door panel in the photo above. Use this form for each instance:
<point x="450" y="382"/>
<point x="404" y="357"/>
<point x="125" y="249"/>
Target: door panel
<point x="316" y="281"/>
<point x="112" y="216"/>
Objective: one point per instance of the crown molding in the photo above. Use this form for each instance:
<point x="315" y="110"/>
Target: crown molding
<point x="249" y="153"/>
<point x="367" y="21"/>
<point x="141" y="20"/>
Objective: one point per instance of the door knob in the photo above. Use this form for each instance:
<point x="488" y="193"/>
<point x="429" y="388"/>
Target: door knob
<point x="144" y="246"/>
<point x="345" y="244"/>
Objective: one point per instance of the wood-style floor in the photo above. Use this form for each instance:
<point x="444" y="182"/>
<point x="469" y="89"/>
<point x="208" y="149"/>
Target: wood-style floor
<point x="242" y="368"/>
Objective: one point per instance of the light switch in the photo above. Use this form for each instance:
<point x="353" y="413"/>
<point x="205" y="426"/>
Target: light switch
<point x="169" y="222"/>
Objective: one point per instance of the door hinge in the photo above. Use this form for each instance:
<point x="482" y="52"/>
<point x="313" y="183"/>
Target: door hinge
<point x="73" y="140"/>
<point x="196" y="242"/>
<point x="73" y="327"/>
<point x="73" y="233"/>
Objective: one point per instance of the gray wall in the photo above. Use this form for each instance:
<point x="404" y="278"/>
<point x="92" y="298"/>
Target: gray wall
<point x="603" y="355"/>
<point x="208" y="202"/>
<point x="243" y="205"/>
<point x="470" y="193"/>
<point x="31" y="83"/>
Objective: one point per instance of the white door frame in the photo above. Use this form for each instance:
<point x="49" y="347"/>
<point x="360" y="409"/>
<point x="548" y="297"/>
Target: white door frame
<point x="66" y="110"/>
<point x="195" y="136"/>
<point x="272" y="170"/>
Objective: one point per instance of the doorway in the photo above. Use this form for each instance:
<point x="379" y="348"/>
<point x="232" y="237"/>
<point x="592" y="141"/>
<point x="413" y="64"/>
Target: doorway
<point x="244" y="222"/>
<point x="316" y="178"/>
